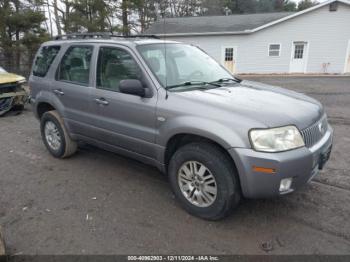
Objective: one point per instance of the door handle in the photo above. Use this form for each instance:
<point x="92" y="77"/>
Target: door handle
<point x="58" y="92"/>
<point x="101" y="101"/>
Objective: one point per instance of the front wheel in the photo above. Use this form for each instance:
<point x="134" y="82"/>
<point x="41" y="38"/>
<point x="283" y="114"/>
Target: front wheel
<point x="204" y="180"/>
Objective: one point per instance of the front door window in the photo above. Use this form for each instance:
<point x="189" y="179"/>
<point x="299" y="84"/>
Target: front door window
<point x="113" y="66"/>
<point x="299" y="51"/>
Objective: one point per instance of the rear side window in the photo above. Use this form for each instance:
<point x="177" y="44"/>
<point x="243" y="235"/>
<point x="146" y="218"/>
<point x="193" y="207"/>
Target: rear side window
<point x="44" y="60"/>
<point x="75" y="65"/>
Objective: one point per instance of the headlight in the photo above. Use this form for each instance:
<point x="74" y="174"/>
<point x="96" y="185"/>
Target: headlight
<point x="276" y="139"/>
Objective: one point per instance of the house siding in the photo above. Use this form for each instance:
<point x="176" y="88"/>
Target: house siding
<point x="327" y="34"/>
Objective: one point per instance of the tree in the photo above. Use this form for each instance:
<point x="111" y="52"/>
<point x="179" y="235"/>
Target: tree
<point x="147" y="13"/>
<point x="125" y="16"/>
<point x="215" y="7"/>
<point x="305" y="4"/>
<point x="260" y="6"/>
<point x="86" y="16"/>
<point x="265" y="6"/>
<point x="57" y="17"/>
<point x="289" y="6"/>
<point x="21" y="30"/>
<point x="181" y="8"/>
<point x="242" y="6"/>
<point x="285" y="5"/>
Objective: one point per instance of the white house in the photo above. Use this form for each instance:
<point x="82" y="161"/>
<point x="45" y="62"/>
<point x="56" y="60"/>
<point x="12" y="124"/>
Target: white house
<point x="316" y="40"/>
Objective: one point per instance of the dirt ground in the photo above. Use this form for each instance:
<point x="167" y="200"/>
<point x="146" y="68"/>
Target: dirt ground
<point x="100" y="203"/>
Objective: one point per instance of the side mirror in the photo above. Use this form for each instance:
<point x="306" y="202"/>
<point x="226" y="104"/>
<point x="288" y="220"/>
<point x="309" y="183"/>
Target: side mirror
<point x="132" y="87"/>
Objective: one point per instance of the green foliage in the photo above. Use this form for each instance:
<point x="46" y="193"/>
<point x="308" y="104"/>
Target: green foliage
<point x="289" y="6"/>
<point x="259" y="6"/>
<point x="305" y="4"/>
<point x="21" y="31"/>
<point x="88" y="16"/>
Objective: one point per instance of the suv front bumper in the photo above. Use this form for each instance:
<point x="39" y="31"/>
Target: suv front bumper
<point x="300" y="164"/>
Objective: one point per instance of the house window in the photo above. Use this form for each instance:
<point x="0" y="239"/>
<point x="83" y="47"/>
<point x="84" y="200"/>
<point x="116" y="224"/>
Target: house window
<point x="299" y="51"/>
<point x="229" y="54"/>
<point x="274" y="50"/>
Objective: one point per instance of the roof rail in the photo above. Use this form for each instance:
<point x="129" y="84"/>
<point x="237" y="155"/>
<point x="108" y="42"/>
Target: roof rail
<point x="139" y="36"/>
<point x="99" y="35"/>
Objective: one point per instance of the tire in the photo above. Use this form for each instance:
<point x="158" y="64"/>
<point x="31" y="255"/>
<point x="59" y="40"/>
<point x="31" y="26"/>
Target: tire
<point x="5" y="105"/>
<point x="66" y="146"/>
<point x="219" y="166"/>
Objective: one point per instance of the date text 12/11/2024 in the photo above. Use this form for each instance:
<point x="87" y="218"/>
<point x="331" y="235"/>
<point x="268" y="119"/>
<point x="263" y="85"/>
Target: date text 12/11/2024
<point x="173" y="258"/>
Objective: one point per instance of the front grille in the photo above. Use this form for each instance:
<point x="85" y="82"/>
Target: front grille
<point x="314" y="133"/>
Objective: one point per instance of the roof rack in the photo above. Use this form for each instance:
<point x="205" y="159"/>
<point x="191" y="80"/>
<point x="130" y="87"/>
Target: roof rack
<point x="99" y="35"/>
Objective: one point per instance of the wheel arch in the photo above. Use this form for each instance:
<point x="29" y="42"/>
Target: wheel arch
<point x="43" y="107"/>
<point x="181" y="139"/>
<point x="44" y="102"/>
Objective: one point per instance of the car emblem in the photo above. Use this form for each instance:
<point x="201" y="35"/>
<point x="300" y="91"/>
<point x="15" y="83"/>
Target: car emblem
<point x="320" y="127"/>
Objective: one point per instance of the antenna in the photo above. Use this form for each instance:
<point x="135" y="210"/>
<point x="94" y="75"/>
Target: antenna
<point x="165" y="56"/>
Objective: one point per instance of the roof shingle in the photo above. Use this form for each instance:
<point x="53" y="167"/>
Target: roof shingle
<point x="213" y="24"/>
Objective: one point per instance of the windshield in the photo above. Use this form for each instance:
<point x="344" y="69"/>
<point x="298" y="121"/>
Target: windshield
<point x="181" y="66"/>
<point x="2" y="70"/>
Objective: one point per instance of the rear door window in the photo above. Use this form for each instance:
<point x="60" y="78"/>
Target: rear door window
<point x="75" y="65"/>
<point x="44" y="60"/>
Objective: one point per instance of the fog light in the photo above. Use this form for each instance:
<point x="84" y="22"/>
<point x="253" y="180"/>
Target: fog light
<point x="285" y="184"/>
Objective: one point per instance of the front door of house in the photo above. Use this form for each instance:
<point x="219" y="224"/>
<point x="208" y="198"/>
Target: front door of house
<point x="347" y="65"/>
<point x="299" y="57"/>
<point x="229" y="57"/>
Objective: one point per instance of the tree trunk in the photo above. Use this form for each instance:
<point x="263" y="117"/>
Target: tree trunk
<point x="125" y="17"/>
<point x="18" y="52"/>
<point x="142" y="16"/>
<point x="57" y="18"/>
<point x="66" y="17"/>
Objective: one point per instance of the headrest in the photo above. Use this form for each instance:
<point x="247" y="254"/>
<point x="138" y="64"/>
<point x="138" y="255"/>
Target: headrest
<point x="76" y="62"/>
<point x="114" y="68"/>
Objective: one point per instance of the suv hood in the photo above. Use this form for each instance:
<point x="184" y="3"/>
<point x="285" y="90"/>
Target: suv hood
<point x="269" y="105"/>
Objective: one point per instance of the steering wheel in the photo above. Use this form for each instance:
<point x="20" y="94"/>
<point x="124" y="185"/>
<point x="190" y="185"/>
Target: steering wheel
<point x="196" y="74"/>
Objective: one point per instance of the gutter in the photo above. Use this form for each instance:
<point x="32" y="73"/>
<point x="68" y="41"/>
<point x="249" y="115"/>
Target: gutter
<point x="245" y="32"/>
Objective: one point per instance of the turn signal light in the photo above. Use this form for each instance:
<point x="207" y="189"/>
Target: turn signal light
<point x="264" y="170"/>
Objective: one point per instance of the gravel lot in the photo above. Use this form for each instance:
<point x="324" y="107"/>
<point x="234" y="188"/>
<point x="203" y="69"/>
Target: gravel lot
<point x="100" y="203"/>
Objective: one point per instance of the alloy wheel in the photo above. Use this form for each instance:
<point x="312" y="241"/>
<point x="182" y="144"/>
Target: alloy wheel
<point x="197" y="184"/>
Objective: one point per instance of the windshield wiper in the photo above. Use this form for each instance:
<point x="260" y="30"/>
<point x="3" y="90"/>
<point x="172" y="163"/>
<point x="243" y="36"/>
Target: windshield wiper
<point x="224" y="80"/>
<point x="193" y="83"/>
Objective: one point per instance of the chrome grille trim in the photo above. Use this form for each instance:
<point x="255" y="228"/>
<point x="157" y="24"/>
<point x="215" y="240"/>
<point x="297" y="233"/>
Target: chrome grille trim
<point x="314" y="133"/>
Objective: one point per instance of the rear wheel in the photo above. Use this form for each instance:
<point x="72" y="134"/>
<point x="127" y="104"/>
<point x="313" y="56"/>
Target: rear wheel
<point x="55" y="135"/>
<point x="204" y="180"/>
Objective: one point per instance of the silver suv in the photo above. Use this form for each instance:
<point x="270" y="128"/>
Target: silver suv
<point x="172" y="106"/>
